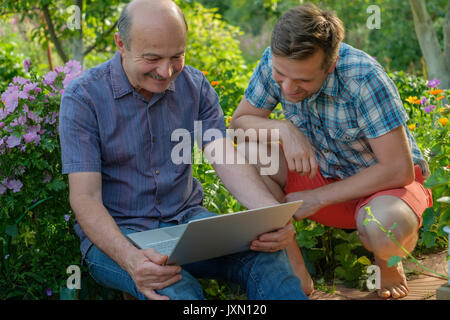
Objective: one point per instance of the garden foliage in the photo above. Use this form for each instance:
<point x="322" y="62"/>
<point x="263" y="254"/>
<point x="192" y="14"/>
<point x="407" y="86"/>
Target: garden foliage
<point x="37" y="241"/>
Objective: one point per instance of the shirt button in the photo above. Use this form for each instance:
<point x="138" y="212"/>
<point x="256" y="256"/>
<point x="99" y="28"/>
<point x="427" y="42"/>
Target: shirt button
<point x="325" y="151"/>
<point x="157" y="172"/>
<point x="159" y="201"/>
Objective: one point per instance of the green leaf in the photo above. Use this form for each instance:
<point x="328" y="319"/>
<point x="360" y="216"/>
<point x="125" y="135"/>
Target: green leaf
<point x="12" y="230"/>
<point x="394" y="261"/>
<point x="364" y="260"/>
<point x="366" y="222"/>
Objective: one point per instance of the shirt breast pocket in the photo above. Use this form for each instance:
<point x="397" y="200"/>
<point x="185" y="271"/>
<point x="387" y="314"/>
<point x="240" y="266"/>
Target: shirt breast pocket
<point x="347" y="137"/>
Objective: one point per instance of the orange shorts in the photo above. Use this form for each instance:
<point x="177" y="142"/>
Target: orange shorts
<point x="343" y="215"/>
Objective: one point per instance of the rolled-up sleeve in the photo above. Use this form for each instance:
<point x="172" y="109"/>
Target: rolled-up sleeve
<point x="380" y="107"/>
<point x="262" y="91"/>
<point x="79" y="135"/>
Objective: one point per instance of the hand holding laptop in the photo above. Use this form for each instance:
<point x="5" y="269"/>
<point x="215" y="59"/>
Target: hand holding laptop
<point x="274" y="241"/>
<point x="148" y="270"/>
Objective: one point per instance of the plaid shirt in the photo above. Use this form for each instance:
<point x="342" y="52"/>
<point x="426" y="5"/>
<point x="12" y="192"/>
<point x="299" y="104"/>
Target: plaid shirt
<point x="356" y="102"/>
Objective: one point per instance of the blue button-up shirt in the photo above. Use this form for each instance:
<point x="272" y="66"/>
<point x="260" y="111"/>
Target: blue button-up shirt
<point x="107" y="127"/>
<point x="357" y="101"/>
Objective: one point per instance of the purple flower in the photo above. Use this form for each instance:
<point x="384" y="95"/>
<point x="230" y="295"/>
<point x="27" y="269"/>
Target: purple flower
<point x="30" y="137"/>
<point x="47" y="177"/>
<point x="11" y="98"/>
<point x="423" y="100"/>
<point x="14" y="185"/>
<point x="433" y="83"/>
<point x="27" y="64"/>
<point x="2" y="189"/>
<point x="20" y="80"/>
<point x="66" y="217"/>
<point x="13" y="141"/>
<point x="49" y="292"/>
<point x="2" y="124"/>
<point x="49" y="78"/>
<point x="429" y="108"/>
<point x="72" y="67"/>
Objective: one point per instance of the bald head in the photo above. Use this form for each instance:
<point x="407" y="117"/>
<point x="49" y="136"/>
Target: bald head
<point x="144" y="14"/>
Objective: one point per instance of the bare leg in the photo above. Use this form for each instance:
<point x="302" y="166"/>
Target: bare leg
<point x="389" y="209"/>
<point x="276" y="184"/>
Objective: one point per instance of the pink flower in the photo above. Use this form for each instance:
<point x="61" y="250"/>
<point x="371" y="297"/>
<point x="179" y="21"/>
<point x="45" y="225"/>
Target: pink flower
<point x="433" y="83"/>
<point x="2" y="189"/>
<point x="14" y="185"/>
<point x="423" y="100"/>
<point x="27" y="64"/>
<point x="49" y="78"/>
<point x="72" y="67"/>
<point x="47" y="177"/>
<point x="429" y="108"/>
<point x="13" y="141"/>
<point x="11" y="98"/>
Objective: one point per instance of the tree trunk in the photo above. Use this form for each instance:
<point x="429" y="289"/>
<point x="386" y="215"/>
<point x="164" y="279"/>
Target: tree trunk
<point x="438" y="62"/>
<point x="77" y="41"/>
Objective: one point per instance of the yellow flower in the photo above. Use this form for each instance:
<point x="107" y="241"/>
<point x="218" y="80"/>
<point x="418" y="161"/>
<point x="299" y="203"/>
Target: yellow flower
<point x="436" y="92"/>
<point x="443" y="121"/>
<point x="412" y="127"/>
<point x="412" y="99"/>
<point x="441" y="110"/>
<point x="228" y="120"/>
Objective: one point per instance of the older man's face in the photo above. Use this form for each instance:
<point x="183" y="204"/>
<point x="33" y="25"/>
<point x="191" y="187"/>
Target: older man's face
<point x="155" y="57"/>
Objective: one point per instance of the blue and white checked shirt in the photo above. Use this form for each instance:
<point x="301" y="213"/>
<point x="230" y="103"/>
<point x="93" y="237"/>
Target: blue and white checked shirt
<point x="106" y="126"/>
<point x="356" y="102"/>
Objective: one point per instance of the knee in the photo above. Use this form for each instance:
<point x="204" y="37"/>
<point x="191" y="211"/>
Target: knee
<point x="389" y="211"/>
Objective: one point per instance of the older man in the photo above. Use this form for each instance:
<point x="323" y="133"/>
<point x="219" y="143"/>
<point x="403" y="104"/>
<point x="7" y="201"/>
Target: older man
<point x="116" y="122"/>
<point x="345" y="143"/>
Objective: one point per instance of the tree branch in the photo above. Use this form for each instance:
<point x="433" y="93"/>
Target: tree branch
<point x="92" y="47"/>
<point x="53" y="38"/>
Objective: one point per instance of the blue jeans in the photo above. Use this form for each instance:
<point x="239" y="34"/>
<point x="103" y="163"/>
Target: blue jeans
<point x="263" y="275"/>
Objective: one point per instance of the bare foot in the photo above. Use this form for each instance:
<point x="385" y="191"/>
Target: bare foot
<point x="393" y="280"/>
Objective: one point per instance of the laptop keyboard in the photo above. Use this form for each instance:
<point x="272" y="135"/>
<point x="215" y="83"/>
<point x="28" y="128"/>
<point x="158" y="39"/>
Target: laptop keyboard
<point x="163" y="247"/>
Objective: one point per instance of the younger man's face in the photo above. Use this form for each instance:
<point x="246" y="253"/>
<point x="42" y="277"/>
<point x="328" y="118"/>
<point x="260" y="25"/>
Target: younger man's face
<point x="300" y="79"/>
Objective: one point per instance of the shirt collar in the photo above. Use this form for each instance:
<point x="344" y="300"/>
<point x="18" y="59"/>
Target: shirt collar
<point x="119" y="80"/>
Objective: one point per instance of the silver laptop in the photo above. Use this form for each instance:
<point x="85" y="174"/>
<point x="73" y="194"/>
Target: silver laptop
<point x="215" y="236"/>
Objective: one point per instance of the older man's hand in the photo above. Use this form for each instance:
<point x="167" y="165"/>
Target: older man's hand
<point x="147" y="269"/>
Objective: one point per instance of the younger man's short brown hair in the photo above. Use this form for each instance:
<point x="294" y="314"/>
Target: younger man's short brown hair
<point x="303" y="30"/>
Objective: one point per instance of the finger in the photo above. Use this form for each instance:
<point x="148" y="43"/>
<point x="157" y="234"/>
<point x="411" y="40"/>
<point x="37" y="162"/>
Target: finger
<point x="314" y="166"/>
<point x="267" y="246"/>
<point x="299" y="166"/>
<point x="152" y="295"/>
<point x="166" y="283"/>
<point x="306" y="166"/>
<point x="291" y="163"/>
<point x="155" y="256"/>
<point x="278" y="235"/>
